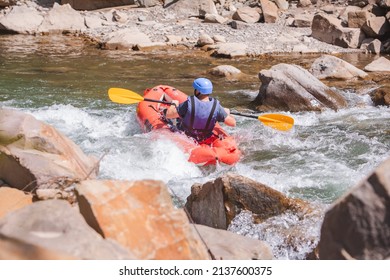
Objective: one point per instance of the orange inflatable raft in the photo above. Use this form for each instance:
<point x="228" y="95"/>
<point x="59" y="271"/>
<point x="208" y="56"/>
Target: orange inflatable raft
<point x="219" y="148"/>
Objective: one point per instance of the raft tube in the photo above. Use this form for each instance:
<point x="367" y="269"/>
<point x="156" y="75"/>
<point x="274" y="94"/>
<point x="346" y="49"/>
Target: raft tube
<point x="219" y="148"/>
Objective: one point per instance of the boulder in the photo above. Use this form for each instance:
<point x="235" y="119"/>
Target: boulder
<point x="376" y="27"/>
<point x="227" y="71"/>
<point x="11" y="22"/>
<point x="291" y="88"/>
<point x="62" y="18"/>
<point x="216" y="203"/>
<point x="56" y="226"/>
<point x="381" y="96"/>
<point x="141" y="217"/>
<point x="35" y="155"/>
<point x="226" y="245"/>
<point x="191" y="8"/>
<point x="357" y="226"/>
<point x="127" y="39"/>
<point x="270" y="11"/>
<point x="230" y="50"/>
<point x="356" y="19"/>
<point x="331" y="67"/>
<point x="247" y="14"/>
<point x="380" y="64"/>
<point x="328" y="29"/>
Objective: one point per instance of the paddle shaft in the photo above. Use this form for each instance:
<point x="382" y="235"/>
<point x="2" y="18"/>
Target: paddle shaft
<point x="158" y="101"/>
<point x="243" y="115"/>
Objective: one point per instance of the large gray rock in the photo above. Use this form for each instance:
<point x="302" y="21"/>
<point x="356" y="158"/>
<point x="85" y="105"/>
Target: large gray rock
<point x="329" y="29"/>
<point x="292" y="88"/>
<point x="56" y="226"/>
<point x="62" y="18"/>
<point x="21" y="19"/>
<point x="35" y="155"/>
<point x="331" y="67"/>
<point x="357" y="226"/>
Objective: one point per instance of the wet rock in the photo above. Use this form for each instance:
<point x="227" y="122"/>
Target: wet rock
<point x="35" y="155"/>
<point x="56" y="226"/>
<point x="381" y="96"/>
<point x="216" y="203"/>
<point x="227" y="71"/>
<point x="331" y="67"/>
<point x="141" y="217"/>
<point x="292" y="88"/>
<point x="357" y="226"/>
<point x="225" y="245"/>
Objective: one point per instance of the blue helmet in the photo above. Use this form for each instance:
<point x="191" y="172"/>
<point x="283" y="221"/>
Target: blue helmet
<point x="203" y="85"/>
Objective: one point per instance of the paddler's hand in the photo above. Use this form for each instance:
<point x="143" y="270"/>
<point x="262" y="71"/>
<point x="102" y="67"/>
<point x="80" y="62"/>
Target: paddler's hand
<point x="172" y="110"/>
<point x="175" y="103"/>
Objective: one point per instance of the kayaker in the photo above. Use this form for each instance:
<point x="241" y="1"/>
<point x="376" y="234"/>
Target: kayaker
<point x="200" y="112"/>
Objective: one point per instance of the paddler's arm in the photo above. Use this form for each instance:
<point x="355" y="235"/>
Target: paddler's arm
<point x="172" y="110"/>
<point x="229" y="119"/>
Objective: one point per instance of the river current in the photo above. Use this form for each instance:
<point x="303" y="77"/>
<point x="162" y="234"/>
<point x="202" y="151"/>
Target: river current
<point x="64" y="82"/>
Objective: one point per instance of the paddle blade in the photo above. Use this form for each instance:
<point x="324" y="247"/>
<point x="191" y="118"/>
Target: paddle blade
<point x="277" y="121"/>
<point x="124" y="96"/>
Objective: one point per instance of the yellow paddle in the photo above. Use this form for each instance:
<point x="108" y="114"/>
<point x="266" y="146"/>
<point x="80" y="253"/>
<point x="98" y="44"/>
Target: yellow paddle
<point x="125" y="96"/>
<point x="277" y="121"/>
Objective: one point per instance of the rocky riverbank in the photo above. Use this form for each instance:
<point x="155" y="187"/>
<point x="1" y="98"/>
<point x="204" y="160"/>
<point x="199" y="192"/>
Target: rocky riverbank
<point x="228" y="29"/>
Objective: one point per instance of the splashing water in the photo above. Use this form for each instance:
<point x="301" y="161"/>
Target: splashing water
<point x="322" y="157"/>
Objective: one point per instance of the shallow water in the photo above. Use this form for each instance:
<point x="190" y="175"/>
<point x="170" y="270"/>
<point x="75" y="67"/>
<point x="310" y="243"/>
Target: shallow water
<point x="64" y="82"/>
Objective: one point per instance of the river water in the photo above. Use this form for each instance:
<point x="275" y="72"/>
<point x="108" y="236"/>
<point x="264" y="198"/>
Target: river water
<point x="64" y="82"/>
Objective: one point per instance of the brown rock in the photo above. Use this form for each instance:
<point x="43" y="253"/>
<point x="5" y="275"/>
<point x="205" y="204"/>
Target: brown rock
<point x="357" y="226"/>
<point x="12" y="199"/>
<point x="292" y="88"/>
<point x="140" y="216"/>
<point x="216" y="203"/>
